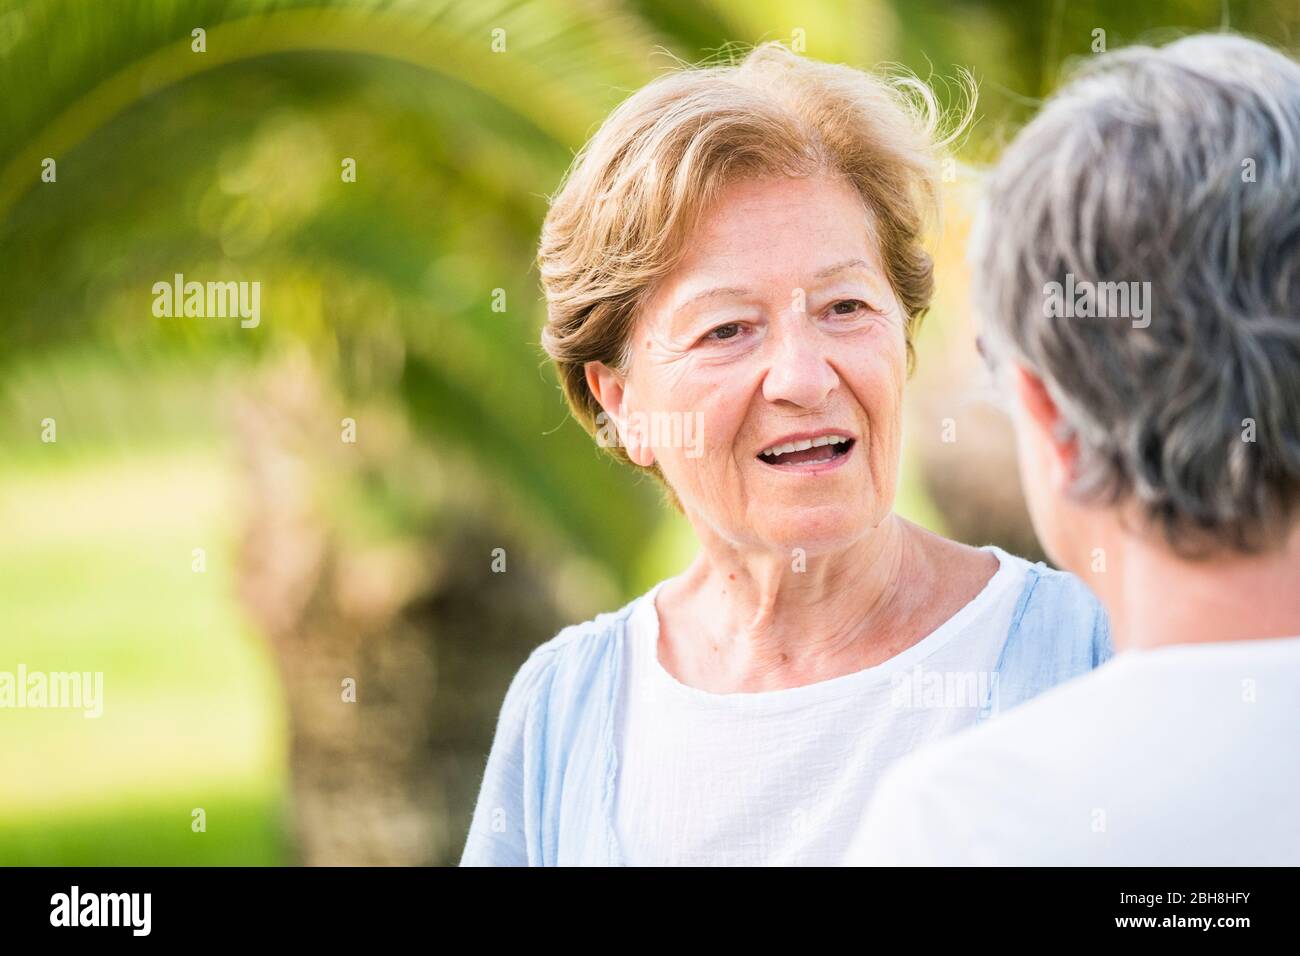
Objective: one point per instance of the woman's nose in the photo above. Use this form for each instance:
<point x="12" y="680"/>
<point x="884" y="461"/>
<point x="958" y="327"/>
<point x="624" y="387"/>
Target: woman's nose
<point x="799" y="371"/>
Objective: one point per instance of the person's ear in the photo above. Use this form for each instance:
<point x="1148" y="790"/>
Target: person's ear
<point x="1050" y="430"/>
<point x="610" y="391"/>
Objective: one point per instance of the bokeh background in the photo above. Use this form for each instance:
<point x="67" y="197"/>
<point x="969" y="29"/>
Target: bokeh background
<point x="323" y="559"/>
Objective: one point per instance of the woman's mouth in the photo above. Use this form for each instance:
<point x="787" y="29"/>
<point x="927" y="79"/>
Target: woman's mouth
<point x="808" y="456"/>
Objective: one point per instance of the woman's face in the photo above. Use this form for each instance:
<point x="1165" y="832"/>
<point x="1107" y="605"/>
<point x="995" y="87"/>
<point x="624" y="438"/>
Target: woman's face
<point x="778" y="327"/>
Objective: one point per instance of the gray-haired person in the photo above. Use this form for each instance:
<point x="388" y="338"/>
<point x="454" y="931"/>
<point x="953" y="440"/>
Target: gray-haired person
<point x="1137" y="264"/>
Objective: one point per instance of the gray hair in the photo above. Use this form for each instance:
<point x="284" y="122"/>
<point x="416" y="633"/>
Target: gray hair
<point x="1178" y="167"/>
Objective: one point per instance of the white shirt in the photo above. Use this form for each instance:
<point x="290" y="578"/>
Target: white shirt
<point x="1178" y="756"/>
<point x="783" y="777"/>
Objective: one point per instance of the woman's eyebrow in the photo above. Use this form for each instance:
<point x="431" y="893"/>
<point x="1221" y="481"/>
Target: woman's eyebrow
<point x="709" y="294"/>
<point x="680" y="316"/>
<point x="730" y="290"/>
<point x="720" y="291"/>
<point x="843" y="266"/>
<point x="713" y="293"/>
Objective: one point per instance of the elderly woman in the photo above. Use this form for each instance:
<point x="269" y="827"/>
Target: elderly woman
<point x="739" y="247"/>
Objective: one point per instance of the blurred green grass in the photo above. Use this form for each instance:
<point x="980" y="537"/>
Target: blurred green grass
<point x="245" y="829"/>
<point x="95" y="561"/>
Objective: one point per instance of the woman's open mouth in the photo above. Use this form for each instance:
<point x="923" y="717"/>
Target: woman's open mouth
<point x="810" y="456"/>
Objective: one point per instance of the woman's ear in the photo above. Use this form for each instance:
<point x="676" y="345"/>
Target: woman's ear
<point x="610" y="391"/>
<point x="1049" y="429"/>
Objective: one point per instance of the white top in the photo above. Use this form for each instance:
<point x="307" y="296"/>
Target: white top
<point x="1180" y="756"/>
<point x="783" y="777"/>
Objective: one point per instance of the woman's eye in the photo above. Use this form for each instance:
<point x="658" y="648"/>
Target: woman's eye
<point x="728" y="331"/>
<point x="848" y="306"/>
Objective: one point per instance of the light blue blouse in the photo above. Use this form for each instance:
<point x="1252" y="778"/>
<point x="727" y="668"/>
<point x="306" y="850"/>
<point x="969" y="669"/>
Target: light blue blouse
<point x="547" y="796"/>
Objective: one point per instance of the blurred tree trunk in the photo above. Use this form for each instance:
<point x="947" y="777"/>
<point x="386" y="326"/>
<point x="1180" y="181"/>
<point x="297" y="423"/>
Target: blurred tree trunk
<point x="973" y="482"/>
<point x="428" y="633"/>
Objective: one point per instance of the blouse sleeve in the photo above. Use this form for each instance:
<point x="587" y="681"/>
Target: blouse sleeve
<point x="504" y="830"/>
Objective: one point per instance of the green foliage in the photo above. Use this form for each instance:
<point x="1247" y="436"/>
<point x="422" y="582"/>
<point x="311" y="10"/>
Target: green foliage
<point x="461" y="117"/>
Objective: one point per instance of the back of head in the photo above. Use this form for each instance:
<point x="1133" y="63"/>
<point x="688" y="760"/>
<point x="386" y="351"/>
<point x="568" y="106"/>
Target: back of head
<point x="1163" y="185"/>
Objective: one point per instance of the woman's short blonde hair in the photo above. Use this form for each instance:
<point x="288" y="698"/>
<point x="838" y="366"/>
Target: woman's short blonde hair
<point x="619" y="222"/>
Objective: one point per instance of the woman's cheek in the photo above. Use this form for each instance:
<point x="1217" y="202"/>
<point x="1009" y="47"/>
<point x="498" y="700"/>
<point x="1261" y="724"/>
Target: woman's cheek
<point x="882" y="371"/>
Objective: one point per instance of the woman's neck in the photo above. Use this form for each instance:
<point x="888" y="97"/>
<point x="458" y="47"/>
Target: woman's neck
<point x="746" y="621"/>
<point x="1156" y="599"/>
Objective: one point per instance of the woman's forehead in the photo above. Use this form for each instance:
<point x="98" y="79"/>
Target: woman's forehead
<point x="768" y="239"/>
<point x="813" y="222"/>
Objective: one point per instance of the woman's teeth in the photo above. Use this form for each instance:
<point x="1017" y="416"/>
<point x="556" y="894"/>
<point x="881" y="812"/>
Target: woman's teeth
<point x="802" y="452"/>
<point x="804" y="444"/>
